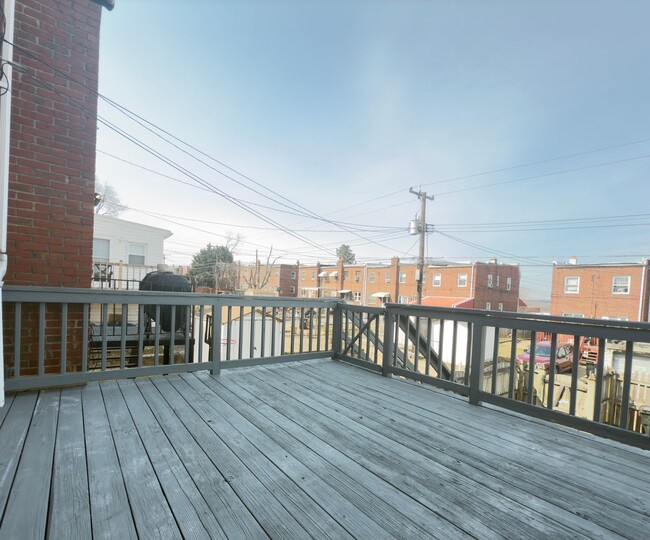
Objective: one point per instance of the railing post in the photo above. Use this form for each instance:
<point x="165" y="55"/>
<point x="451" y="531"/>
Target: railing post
<point x="387" y="350"/>
<point x="476" y="374"/>
<point x="215" y="345"/>
<point x="337" y="324"/>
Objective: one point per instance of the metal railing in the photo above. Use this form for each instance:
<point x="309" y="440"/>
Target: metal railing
<point x="55" y="337"/>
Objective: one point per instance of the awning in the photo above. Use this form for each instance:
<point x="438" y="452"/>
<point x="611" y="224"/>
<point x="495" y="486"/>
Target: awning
<point x="334" y="274"/>
<point x="310" y="288"/>
<point x="381" y="295"/>
<point x="322" y="274"/>
<point x="345" y="291"/>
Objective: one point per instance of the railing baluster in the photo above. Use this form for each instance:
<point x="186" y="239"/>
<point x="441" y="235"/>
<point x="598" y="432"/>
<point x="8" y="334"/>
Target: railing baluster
<point x="293" y="329"/>
<point x="468" y="352"/>
<point x="172" y="337"/>
<point x="64" y="338"/>
<point x="283" y="331"/>
<point x="251" y="347"/>
<point x="215" y="345"/>
<point x="375" y="343"/>
<point x="123" y="327"/>
<point x="441" y="341"/>
<point x="477" y="355"/>
<point x="85" y="324"/>
<point x="228" y="333"/>
<point x="346" y="314"/>
<point x="387" y="359"/>
<point x="274" y="319"/>
<point x="141" y="325"/>
<point x="302" y="329"/>
<point x="574" y="375"/>
<point x="495" y="361"/>
<point x="427" y="368"/>
<point x="263" y="332"/>
<point x="454" y="349"/>
<point x="319" y="324"/>
<point x="327" y="328"/>
<point x="18" y="318"/>
<point x="104" y="335"/>
<point x="188" y="331"/>
<point x="417" y="344"/>
<point x="337" y="328"/>
<point x="511" y="371"/>
<point x="201" y="337"/>
<point x="156" y="349"/>
<point x="551" y="373"/>
<point x="600" y="373"/>
<point x="531" y="368"/>
<point x="407" y="337"/>
<point x="240" y="345"/>
<point x="627" y="380"/>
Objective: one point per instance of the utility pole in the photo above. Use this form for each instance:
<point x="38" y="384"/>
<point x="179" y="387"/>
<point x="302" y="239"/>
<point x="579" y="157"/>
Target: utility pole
<point x="422" y="229"/>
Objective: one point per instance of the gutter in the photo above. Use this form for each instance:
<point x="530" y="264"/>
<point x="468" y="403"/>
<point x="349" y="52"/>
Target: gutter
<point x="5" y="129"/>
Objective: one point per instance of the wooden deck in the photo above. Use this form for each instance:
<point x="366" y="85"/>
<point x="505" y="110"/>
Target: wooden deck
<point x="318" y="449"/>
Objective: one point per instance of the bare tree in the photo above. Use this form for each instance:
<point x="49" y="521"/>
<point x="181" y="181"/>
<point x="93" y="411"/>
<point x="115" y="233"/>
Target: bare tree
<point x="259" y="276"/>
<point x="107" y="201"/>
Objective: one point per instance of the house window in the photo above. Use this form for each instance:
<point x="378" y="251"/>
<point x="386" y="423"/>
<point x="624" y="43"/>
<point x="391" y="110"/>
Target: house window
<point x="402" y="277"/>
<point x="509" y="284"/>
<point x="621" y="285"/>
<point x="462" y="280"/>
<point x="372" y="300"/>
<point x="576" y="315"/>
<point x="371" y="277"/>
<point x="616" y="318"/>
<point x="403" y="299"/>
<point x="497" y="281"/>
<point x="489" y="281"/>
<point x="437" y="280"/>
<point x="357" y="275"/>
<point x="101" y="250"/>
<point x="302" y="275"/>
<point x="572" y="284"/>
<point x="345" y="275"/>
<point x="500" y="306"/>
<point x="292" y="290"/>
<point x="488" y="305"/>
<point x="313" y="275"/>
<point x="136" y="253"/>
<point x="357" y="296"/>
<point x="293" y="275"/>
<point x="387" y="280"/>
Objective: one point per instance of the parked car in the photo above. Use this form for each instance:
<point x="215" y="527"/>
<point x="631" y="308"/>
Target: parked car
<point x="563" y="356"/>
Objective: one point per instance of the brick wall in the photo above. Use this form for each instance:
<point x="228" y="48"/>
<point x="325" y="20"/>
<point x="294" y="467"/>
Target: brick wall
<point x="52" y="169"/>
<point x="53" y="136"/>
<point x="595" y="298"/>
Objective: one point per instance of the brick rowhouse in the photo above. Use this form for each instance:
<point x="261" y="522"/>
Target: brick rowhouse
<point x="52" y="165"/>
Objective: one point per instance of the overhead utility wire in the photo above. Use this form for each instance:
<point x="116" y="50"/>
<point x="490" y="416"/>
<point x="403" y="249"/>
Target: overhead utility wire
<point x="131" y="115"/>
<point x="173" y="164"/>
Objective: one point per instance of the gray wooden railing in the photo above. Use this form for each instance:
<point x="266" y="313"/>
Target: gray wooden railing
<point x="55" y="337"/>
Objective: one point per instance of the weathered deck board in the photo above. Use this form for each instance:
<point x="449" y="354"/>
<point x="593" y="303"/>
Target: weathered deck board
<point x="70" y="501"/>
<point x="485" y="513"/>
<point x="317" y="449"/>
<point x="111" y="514"/>
<point x="369" y="493"/>
<point x="151" y="512"/>
<point x="557" y="500"/>
<point x="27" y="508"/>
<point x="17" y="417"/>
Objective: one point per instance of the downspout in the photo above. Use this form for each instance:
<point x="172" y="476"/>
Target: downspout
<point x="471" y="284"/>
<point x="5" y="130"/>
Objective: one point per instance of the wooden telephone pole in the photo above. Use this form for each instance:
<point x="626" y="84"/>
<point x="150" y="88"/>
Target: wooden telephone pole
<point x="422" y="229"/>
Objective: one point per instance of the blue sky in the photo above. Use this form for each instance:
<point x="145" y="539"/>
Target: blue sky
<point x="340" y="107"/>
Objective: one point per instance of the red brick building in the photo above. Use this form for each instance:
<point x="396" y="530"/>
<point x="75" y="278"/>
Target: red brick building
<point x="479" y="285"/>
<point x="603" y="291"/>
<point x="280" y="279"/>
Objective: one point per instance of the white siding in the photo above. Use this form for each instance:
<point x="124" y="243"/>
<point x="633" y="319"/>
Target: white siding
<point x="120" y="233"/>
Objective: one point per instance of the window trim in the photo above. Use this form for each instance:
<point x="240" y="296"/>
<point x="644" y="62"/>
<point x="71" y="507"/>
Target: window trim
<point x="508" y="284"/>
<point x="464" y="275"/>
<point x="105" y="242"/>
<point x="438" y="280"/>
<point x="402" y="275"/>
<point x="627" y="286"/>
<point x="143" y="254"/>
<point x="566" y="285"/>
<point x="490" y="281"/>
<point x="488" y="306"/>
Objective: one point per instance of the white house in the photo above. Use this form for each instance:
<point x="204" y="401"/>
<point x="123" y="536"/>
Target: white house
<point x="124" y="250"/>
